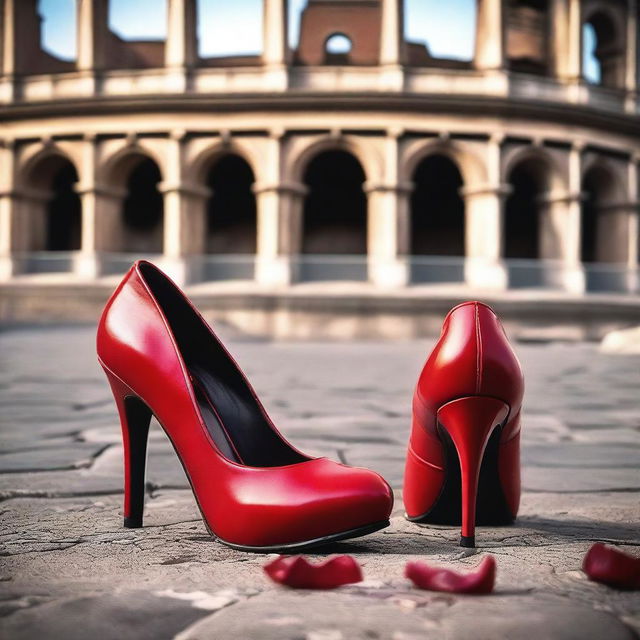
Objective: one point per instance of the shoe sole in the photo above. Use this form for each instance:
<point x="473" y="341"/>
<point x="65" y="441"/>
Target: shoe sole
<point x="294" y="547"/>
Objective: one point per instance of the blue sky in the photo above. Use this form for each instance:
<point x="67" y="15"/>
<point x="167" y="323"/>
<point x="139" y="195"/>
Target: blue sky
<point x="236" y="27"/>
<point x="227" y="28"/>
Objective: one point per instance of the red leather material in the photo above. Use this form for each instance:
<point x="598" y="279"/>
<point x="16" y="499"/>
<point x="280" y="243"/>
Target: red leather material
<point x="509" y="470"/>
<point x="422" y="481"/>
<point x="252" y="506"/>
<point x="471" y="358"/>
<point x="469" y="422"/>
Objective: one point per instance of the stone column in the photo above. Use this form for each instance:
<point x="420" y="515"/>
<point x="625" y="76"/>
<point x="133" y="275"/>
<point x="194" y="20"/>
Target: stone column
<point x="7" y="214"/>
<point x="92" y="20"/>
<point x="181" y="47"/>
<point x="392" y="33"/>
<point x="566" y="39"/>
<point x="17" y="41"/>
<point x="633" y="172"/>
<point x="275" y="48"/>
<point x="392" y="47"/>
<point x="102" y="226"/>
<point x="484" y="266"/>
<point x="618" y="233"/>
<point x="87" y="263"/>
<point x="27" y="211"/>
<point x="184" y="216"/>
<point x="279" y="207"/>
<point x="560" y="231"/>
<point x="388" y="234"/>
<point x="490" y="35"/>
<point x="631" y="63"/>
<point x="388" y="222"/>
<point x="22" y="216"/>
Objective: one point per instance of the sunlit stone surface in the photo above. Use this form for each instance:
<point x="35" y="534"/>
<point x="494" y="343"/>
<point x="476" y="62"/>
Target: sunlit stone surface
<point x="70" y="570"/>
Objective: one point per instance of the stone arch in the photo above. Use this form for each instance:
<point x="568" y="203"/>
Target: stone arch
<point x="52" y="211"/>
<point x="368" y="157"/>
<point x="472" y="169"/>
<point x="231" y="205"/>
<point x="113" y="170"/>
<point x="198" y="168"/>
<point x="608" y="26"/>
<point x="341" y="56"/>
<point x="335" y="206"/>
<point x="437" y="208"/>
<point x="447" y="233"/>
<point x="133" y="176"/>
<point x="553" y="177"/>
<point x="535" y="180"/>
<point x="601" y="191"/>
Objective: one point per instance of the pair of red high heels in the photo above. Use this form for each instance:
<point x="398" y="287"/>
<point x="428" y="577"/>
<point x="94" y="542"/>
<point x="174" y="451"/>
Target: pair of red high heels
<point x="256" y="492"/>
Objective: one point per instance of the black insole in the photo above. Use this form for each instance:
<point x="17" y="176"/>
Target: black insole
<point x="234" y="417"/>
<point x="491" y="505"/>
<point x="235" y="422"/>
<point x="214" y="426"/>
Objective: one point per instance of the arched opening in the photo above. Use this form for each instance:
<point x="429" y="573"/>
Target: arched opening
<point x="142" y="207"/>
<point x="598" y="192"/>
<point x="64" y="211"/>
<point x="605" y="229"/>
<point x="231" y="208"/>
<point x="602" y="51"/>
<point x="337" y="48"/>
<point x="437" y="209"/>
<point x="591" y="191"/>
<point x="56" y="225"/>
<point x="437" y="31"/>
<point x="528" y="181"/>
<point x="229" y="31"/>
<point x="335" y="208"/>
<point x="335" y="32"/>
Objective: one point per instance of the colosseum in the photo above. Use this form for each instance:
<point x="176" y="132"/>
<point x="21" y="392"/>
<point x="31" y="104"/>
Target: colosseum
<point x="376" y="172"/>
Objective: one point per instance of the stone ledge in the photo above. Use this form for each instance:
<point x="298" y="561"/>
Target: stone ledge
<point x="342" y="310"/>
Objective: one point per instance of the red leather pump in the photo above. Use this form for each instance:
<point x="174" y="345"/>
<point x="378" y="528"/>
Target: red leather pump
<point x="463" y="462"/>
<point x="255" y="491"/>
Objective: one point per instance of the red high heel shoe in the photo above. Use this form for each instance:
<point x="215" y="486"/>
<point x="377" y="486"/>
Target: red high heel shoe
<point x="463" y="462"/>
<point x="255" y="491"/>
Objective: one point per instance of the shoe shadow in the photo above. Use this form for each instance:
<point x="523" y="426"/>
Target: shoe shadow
<point x="400" y="544"/>
<point x="580" y="529"/>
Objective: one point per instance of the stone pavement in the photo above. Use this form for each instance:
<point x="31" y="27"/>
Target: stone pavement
<point x="69" y="570"/>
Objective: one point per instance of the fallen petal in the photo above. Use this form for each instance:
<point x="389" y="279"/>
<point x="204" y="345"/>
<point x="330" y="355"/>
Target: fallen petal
<point x="481" y="580"/>
<point x="610" y="566"/>
<point x="299" y="573"/>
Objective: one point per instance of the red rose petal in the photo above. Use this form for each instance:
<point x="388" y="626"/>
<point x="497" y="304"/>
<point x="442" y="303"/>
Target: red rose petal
<point x="481" y="580"/>
<point x="610" y="566"/>
<point x="299" y="573"/>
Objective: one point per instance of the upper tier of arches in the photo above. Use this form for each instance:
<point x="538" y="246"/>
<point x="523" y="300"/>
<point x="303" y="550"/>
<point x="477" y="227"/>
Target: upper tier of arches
<point x="593" y="39"/>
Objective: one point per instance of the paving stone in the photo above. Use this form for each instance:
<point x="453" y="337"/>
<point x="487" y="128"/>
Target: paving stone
<point x="135" y="615"/>
<point x="69" y="569"/>
<point x="582" y="455"/>
<point x="403" y="615"/>
<point x="72" y="455"/>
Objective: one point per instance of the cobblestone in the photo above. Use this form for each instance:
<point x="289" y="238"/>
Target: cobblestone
<point x="70" y="570"/>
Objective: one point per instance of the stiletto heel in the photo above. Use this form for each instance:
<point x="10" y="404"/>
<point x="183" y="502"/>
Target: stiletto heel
<point x="255" y="491"/>
<point x="470" y="422"/>
<point x="463" y="459"/>
<point x="135" y="418"/>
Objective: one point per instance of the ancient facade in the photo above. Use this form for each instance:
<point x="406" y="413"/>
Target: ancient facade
<point x="380" y="163"/>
